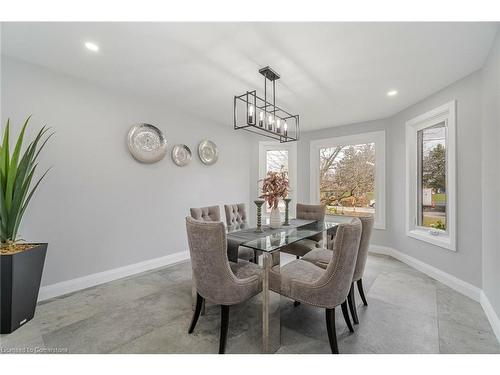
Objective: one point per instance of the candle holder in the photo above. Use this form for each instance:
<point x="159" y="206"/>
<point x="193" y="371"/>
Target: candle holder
<point x="259" y="203"/>
<point x="287" y="202"/>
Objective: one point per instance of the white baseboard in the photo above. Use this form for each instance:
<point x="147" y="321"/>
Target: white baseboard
<point x="491" y="314"/>
<point x="377" y="249"/>
<point x="69" y="286"/>
<point x="451" y="281"/>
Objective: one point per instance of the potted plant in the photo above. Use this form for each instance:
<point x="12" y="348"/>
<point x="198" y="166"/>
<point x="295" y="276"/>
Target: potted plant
<point x="275" y="187"/>
<point x="21" y="263"/>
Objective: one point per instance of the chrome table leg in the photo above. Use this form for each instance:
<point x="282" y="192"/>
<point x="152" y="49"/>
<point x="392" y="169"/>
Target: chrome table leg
<point x="271" y="329"/>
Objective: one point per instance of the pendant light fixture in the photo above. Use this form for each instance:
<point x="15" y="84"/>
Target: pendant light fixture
<point x="258" y="115"/>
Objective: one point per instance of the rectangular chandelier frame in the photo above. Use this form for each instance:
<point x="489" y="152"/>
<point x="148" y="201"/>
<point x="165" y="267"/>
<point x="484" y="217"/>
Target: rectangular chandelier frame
<point x="264" y="117"/>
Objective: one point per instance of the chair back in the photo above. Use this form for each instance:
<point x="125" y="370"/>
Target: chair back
<point x="236" y="216"/>
<point x="211" y="213"/>
<point x="212" y="276"/>
<point x="332" y="288"/>
<point x="312" y="212"/>
<point x="364" y="243"/>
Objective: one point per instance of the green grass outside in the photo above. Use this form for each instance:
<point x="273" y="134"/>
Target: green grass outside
<point x="439" y="198"/>
<point x="429" y="220"/>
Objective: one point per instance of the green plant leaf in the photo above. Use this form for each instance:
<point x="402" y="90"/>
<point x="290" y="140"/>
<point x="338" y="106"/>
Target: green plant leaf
<point x="23" y="209"/>
<point x="44" y="142"/>
<point x="17" y="202"/>
<point x="4" y="156"/>
<point x="12" y="171"/>
<point x="16" y="174"/>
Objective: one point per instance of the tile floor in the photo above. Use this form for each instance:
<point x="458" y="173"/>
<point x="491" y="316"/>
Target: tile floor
<point x="408" y="312"/>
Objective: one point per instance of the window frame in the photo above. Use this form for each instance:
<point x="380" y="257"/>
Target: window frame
<point x="291" y="147"/>
<point x="446" y="239"/>
<point x="376" y="137"/>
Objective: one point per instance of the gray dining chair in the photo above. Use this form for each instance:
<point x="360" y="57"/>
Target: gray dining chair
<point x="236" y="219"/>
<point x="307" y="212"/>
<point x="327" y="288"/>
<point x="322" y="257"/>
<point x="216" y="279"/>
<point x="211" y="214"/>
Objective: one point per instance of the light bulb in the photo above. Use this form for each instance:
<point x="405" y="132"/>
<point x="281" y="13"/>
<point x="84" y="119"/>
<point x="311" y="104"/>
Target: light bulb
<point x="278" y="123"/>
<point x="261" y="119"/>
<point x="270" y="123"/>
<point x="285" y="129"/>
<point x="250" y="114"/>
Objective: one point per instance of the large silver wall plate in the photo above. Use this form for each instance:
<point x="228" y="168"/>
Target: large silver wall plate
<point x="208" y="152"/>
<point x="181" y="155"/>
<point x="146" y="143"/>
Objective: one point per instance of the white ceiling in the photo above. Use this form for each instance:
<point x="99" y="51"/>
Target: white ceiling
<point x="332" y="73"/>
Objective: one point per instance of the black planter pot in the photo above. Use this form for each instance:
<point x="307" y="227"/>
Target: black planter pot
<point x="20" y="276"/>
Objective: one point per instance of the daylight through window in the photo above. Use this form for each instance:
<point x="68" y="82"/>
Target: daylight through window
<point x="347" y="179"/>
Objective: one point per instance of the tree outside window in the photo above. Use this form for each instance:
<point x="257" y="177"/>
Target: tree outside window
<point x="432" y="175"/>
<point x="347" y="179"/>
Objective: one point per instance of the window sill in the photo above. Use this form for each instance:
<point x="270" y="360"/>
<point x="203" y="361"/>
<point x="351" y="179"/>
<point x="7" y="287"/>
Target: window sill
<point x="441" y="239"/>
<point x="376" y="225"/>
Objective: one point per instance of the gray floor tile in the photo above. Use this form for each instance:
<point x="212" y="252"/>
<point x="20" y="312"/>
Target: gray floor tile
<point x="406" y="289"/>
<point x="457" y="308"/>
<point x="462" y="339"/>
<point x="388" y="328"/>
<point x="109" y="329"/>
<point x="27" y="337"/>
<point x="408" y="312"/>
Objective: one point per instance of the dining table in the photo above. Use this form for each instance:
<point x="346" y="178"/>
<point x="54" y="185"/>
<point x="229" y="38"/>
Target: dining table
<point x="268" y="242"/>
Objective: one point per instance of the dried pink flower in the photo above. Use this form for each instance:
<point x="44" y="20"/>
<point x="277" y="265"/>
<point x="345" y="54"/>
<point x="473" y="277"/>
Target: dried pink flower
<point x="275" y="186"/>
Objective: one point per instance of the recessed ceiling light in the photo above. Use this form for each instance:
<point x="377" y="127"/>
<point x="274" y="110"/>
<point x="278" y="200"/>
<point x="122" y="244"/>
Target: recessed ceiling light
<point x="92" y="46"/>
<point x="392" y="93"/>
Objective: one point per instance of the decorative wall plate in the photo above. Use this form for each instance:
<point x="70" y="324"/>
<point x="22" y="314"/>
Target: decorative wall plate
<point x="146" y="143"/>
<point x="208" y="152"/>
<point x="181" y="155"/>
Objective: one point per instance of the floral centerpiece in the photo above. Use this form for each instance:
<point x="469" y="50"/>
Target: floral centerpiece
<point x="275" y="186"/>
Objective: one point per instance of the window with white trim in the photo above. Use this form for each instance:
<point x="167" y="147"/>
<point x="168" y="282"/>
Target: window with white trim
<point x="276" y="156"/>
<point x="348" y="175"/>
<point x="431" y="177"/>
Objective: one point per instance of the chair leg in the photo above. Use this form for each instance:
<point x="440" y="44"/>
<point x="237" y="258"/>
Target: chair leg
<point x="296" y="303"/>
<point x="224" y="324"/>
<point x="346" y="316"/>
<point x="196" y="314"/>
<point x="362" y="292"/>
<point x="330" y="327"/>
<point x="203" y="307"/>
<point x="352" y="305"/>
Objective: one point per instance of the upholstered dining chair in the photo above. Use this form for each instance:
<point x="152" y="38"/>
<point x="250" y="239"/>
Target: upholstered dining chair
<point x="212" y="213"/>
<point x="326" y="288"/>
<point x="307" y="212"/>
<point x="322" y="257"/>
<point x="216" y="279"/>
<point x="236" y="219"/>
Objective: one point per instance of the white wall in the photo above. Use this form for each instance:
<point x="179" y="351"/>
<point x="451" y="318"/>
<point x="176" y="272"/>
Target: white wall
<point x="466" y="263"/>
<point x="491" y="175"/>
<point x="99" y="209"/>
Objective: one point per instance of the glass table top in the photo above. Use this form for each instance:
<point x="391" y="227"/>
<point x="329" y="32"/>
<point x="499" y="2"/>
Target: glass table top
<point x="272" y="239"/>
